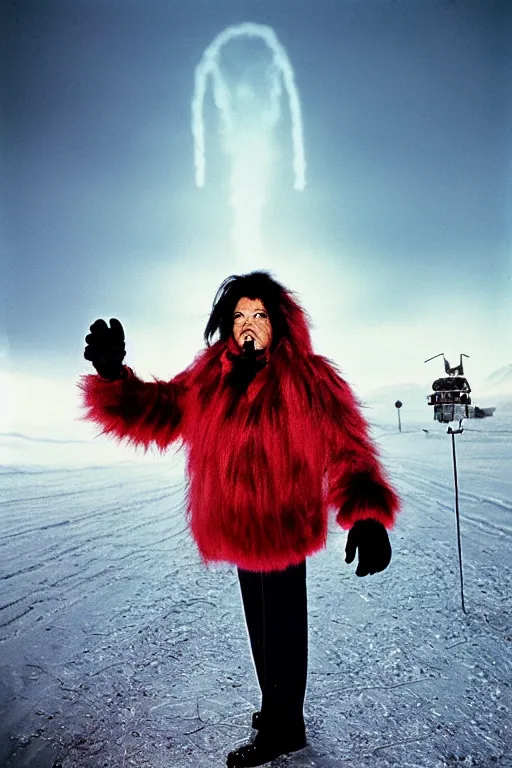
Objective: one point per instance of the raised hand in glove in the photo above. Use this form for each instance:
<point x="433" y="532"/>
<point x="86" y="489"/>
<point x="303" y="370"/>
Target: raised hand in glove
<point x="105" y="348"/>
<point x="371" y="537"/>
<point x="246" y="366"/>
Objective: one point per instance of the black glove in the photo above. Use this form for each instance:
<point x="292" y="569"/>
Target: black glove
<point x="374" y="548"/>
<point x="105" y="348"/>
<point x="245" y="366"/>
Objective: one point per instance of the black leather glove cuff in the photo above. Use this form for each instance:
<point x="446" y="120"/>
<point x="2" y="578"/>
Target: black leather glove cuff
<point x="245" y="368"/>
<point x="110" y="371"/>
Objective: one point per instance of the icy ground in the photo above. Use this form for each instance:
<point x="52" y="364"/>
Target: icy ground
<point x="118" y="648"/>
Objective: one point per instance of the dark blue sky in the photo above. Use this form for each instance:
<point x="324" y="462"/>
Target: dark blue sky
<point x="406" y="109"/>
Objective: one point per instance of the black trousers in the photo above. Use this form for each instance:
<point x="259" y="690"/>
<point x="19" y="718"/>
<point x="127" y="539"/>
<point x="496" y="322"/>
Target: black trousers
<point x="275" y="606"/>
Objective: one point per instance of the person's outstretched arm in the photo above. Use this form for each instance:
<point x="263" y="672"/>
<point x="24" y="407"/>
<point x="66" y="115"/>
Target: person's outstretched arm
<point x="358" y="486"/>
<point x="121" y="404"/>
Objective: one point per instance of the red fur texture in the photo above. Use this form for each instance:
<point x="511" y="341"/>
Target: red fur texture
<point x="263" y="467"/>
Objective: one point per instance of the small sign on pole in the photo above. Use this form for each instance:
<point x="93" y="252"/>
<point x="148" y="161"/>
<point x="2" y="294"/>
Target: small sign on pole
<point x="398" y="405"/>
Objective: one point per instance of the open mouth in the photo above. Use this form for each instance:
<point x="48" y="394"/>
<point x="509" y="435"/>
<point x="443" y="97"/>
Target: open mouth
<point x="248" y="336"/>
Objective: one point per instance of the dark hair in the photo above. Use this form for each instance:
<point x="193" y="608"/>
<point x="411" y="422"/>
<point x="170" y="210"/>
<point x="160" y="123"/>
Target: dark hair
<point x="255" y="285"/>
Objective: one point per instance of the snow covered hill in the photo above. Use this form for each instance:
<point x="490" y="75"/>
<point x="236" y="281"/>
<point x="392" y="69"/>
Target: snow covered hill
<point x="498" y="388"/>
<point x="501" y="378"/>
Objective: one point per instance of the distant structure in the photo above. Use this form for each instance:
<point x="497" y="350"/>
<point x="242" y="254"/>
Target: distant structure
<point x="451" y="395"/>
<point x="451" y="401"/>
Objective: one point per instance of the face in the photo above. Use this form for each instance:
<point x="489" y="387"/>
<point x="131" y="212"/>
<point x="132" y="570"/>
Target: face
<point x="251" y="321"/>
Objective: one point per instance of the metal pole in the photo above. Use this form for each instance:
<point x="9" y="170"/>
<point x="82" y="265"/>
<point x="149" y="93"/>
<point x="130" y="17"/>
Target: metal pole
<point x="457" y="518"/>
<point x="399" y="422"/>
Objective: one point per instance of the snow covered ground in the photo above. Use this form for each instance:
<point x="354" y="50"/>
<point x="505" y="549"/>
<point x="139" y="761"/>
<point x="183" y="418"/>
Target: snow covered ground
<point x="119" y="648"/>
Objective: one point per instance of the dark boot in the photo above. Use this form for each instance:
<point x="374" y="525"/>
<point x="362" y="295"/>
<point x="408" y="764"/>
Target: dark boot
<point x="266" y="747"/>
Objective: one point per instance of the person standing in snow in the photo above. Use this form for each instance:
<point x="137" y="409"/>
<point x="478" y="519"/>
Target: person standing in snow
<point x="275" y="439"/>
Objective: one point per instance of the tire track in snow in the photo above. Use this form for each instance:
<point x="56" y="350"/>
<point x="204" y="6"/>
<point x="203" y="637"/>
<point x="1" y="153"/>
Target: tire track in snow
<point x="429" y="487"/>
<point x="443" y="494"/>
<point x="109" y="533"/>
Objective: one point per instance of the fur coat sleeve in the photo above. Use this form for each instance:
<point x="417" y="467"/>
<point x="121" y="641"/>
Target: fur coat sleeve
<point x="140" y="412"/>
<point x="357" y="484"/>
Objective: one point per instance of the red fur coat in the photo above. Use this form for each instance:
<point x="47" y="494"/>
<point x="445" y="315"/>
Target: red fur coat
<point x="263" y="467"/>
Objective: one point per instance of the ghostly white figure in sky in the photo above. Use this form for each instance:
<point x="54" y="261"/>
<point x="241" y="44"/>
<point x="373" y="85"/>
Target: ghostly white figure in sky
<point x="249" y="112"/>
